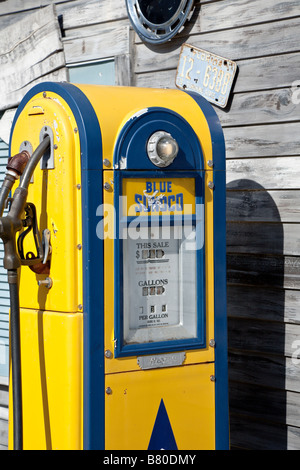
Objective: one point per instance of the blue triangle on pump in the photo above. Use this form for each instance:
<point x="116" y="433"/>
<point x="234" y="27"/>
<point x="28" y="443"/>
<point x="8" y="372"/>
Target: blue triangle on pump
<point x="162" y="435"/>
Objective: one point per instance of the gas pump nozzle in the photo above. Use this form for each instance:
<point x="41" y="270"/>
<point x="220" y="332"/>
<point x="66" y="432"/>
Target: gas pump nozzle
<point x="18" y="166"/>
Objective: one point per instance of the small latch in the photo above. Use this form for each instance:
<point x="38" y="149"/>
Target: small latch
<point x="47" y="161"/>
<point x="46" y="245"/>
<point x="36" y="110"/>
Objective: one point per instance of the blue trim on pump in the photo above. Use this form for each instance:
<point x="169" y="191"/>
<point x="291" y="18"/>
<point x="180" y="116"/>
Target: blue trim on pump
<point x="92" y="256"/>
<point x="221" y="351"/>
<point x="216" y="132"/>
<point x="198" y="221"/>
<point x="131" y="147"/>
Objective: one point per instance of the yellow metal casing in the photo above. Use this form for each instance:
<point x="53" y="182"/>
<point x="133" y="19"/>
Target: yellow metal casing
<point x="51" y="354"/>
<point x="117" y="105"/>
<point x="51" y="327"/>
<point x="189" y="399"/>
<point x="57" y="200"/>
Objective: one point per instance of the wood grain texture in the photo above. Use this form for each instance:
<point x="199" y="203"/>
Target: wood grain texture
<point x="280" y="173"/>
<point x="263" y="141"/>
<point x="108" y="42"/>
<point x="30" y="52"/>
<point x="123" y="68"/>
<point x="262" y="337"/>
<point x="265" y="404"/>
<point x="18" y="6"/>
<point x="243" y="43"/>
<point x="222" y="15"/>
<point x="3" y="417"/>
<point x="263" y="206"/>
<point x="267" y="238"/>
<point x="262" y="73"/>
<point x="276" y="372"/>
<point x="261" y="107"/>
<point x="255" y="74"/>
<point x="83" y="13"/>
<point x="263" y="270"/>
<point x="238" y="13"/>
<point x="269" y="304"/>
<point x="250" y="434"/>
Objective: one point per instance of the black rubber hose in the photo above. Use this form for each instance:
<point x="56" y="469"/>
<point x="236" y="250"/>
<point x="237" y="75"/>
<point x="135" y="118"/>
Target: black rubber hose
<point x="16" y="358"/>
<point x="15" y="337"/>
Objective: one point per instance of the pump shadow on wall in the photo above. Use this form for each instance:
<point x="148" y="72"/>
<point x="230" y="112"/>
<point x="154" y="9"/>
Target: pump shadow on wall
<point x="256" y="301"/>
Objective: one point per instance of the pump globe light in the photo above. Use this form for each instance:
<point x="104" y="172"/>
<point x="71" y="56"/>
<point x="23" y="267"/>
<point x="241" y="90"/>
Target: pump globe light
<point x="167" y="148"/>
<point x="162" y="149"/>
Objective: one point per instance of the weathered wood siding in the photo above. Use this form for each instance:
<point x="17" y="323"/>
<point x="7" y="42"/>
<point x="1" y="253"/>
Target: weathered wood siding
<point x="30" y="51"/>
<point x="261" y="127"/>
<point x="3" y="416"/>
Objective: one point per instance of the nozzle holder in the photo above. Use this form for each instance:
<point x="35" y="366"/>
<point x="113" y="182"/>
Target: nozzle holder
<point x="47" y="161"/>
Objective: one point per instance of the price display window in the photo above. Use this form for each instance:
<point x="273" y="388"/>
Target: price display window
<point x="162" y="276"/>
<point x="162" y="301"/>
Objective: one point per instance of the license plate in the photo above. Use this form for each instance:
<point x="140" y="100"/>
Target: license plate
<point x="205" y="73"/>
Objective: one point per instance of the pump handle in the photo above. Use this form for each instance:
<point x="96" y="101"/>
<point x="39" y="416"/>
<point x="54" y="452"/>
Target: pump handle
<point x="31" y="223"/>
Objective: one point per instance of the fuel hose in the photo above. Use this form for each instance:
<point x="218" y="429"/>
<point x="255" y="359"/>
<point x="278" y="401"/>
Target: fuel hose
<point x="15" y="348"/>
<point x="23" y="168"/>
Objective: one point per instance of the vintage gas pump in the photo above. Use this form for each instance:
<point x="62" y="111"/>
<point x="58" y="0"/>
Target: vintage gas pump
<point x="123" y="331"/>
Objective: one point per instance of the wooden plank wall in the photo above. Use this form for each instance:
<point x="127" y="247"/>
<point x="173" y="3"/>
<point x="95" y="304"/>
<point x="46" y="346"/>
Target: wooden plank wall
<point x="30" y="52"/>
<point x="261" y="126"/>
<point x="3" y="417"/>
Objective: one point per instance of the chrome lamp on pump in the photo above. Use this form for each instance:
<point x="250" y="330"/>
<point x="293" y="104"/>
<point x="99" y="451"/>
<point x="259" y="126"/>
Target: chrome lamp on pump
<point x="162" y="149"/>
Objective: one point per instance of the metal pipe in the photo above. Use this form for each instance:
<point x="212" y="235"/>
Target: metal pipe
<point x="15" y="168"/>
<point x="18" y="162"/>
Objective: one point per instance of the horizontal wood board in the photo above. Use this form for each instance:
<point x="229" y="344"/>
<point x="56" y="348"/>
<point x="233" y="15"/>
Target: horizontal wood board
<point x="31" y="51"/>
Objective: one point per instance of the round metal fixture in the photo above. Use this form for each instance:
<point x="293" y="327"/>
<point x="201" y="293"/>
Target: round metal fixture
<point x="157" y="21"/>
<point x="162" y="149"/>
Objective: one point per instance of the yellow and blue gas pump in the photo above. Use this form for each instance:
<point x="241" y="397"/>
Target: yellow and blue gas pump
<point x="123" y="331"/>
